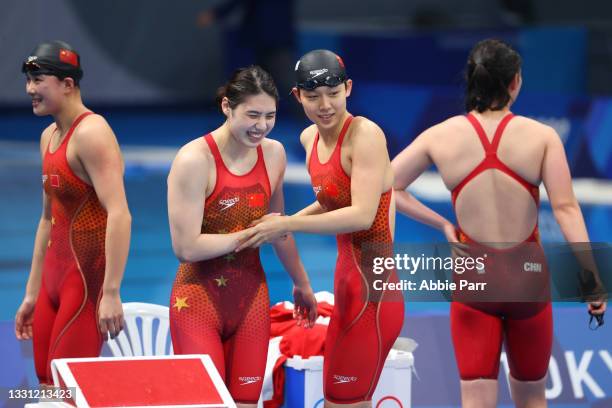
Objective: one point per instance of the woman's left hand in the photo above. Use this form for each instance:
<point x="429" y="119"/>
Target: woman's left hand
<point x="110" y="316"/>
<point x="269" y="228"/>
<point x="305" y="306"/>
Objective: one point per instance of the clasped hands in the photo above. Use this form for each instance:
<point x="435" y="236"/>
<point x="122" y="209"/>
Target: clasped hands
<point x="269" y="228"/>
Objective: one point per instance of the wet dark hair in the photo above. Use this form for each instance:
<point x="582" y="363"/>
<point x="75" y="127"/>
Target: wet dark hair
<point x="246" y="82"/>
<point x="491" y="66"/>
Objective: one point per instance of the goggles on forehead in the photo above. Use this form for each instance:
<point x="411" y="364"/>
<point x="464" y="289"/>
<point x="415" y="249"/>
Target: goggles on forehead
<point x="35" y="68"/>
<point x="30" y="66"/>
<point x="330" y="80"/>
<point x="45" y="68"/>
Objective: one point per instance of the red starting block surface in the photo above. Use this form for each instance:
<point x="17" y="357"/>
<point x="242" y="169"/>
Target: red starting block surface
<point x="154" y="381"/>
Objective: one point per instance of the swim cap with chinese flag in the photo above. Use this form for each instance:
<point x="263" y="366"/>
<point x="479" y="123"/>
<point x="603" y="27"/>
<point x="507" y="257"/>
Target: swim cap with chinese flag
<point x="54" y="58"/>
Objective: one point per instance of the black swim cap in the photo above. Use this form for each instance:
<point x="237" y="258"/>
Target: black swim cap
<point x="54" y="58"/>
<point x="319" y="68"/>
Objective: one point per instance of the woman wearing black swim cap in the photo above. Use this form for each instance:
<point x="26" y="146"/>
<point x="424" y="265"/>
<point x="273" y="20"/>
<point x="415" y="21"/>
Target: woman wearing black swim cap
<point x="493" y="163"/>
<point x="72" y="300"/>
<point x="351" y="176"/>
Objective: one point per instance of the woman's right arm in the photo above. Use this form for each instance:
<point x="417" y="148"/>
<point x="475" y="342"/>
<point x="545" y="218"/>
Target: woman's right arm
<point x="24" y="315"/>
<point x="312" y="209"/>
<point x="407" y="167"/>
<point x="187" y="184"/>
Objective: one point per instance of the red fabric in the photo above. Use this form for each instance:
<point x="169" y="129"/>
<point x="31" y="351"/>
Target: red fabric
<point x="73" y="269"/>
<point x="478" y="328"/>
<point x="478" y="335"/>
<point x="491" y="161"/>
<point x="69" y="57"/>
<point x="365" y="322"/>
<point x="296" y="341"/>
<point x="221" y="306"/>
<point x="140" y="383"/>
<point x="256" y="200"/>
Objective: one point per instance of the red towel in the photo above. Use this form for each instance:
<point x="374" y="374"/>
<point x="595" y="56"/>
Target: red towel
<point x="296" y="341"/>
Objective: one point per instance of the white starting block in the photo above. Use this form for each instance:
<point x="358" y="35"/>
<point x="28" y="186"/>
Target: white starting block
<point x="304" y="382"/>
<point x="152" y="381"/>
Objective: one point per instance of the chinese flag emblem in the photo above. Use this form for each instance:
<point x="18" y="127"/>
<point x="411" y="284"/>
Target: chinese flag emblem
<point x="331" y="190"/>
<point x="69" y="57"/>
<point x="54" y="180"/>
<point x="256" y="200"/>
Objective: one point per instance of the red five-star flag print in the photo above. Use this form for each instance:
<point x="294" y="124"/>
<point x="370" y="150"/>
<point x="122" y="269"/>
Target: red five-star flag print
<point x="69" y="57"/>
<point x="256" y="200"/>
<point x="331" y="190"/>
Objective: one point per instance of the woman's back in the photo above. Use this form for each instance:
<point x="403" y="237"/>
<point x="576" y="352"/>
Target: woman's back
<point x="493" y="162"/>
<point x="491" y="205"/>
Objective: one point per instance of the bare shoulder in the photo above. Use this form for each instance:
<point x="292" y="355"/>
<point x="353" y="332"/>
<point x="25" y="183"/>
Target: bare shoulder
<point x="275" y="160"/>
<point x="447" y="128"/>
<point x="274" y="156"/>
<point x="535" y="128"/>
<point x="94" y="124"/>
<point x="364" y="128"/>
<point x="93" y="134"/>
<point x="95" y="144"/>
<point x="193" y="156"/>
<point x="454" y="123"/>
<point x="48" y="131"/>
<point x="362" y="123"/>
<point x="307" y="135"/>
<point x="190" y="169"/>
<point x="273" y="148"/>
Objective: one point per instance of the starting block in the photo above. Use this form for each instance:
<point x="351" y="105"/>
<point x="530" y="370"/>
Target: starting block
<point x="154" y="381"/>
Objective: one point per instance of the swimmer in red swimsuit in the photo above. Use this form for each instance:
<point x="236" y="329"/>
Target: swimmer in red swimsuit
<point x="72" y="298"/>
<point x="351" y="177"/>
<point x="217" y="186"/>
<point x="493" y="163"/>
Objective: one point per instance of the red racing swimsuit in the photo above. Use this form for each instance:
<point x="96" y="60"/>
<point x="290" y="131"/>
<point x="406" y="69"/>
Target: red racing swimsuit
<point x="516" y="305"/>
<point x="365" y="322"/>
<point x="65" y="317"/>
<point x="220" y="306"/>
